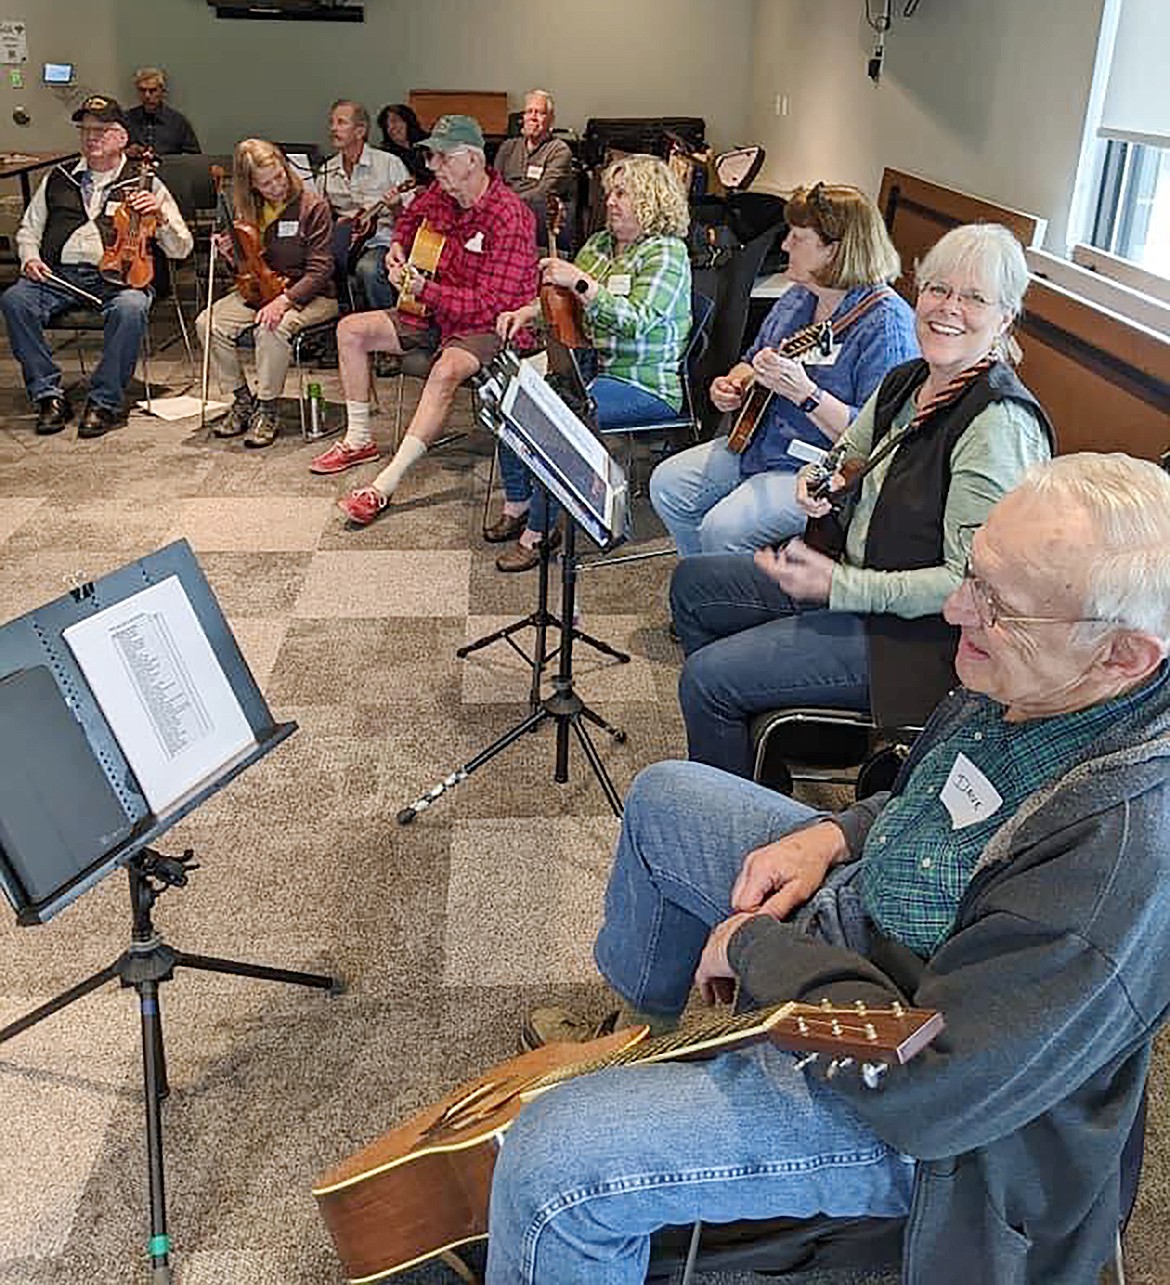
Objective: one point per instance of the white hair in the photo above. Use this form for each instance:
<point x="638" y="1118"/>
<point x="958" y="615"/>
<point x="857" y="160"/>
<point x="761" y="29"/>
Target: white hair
<point x="549" y="102"/>
<point x="1127" y="502"/>
<point x="987" y="252"/>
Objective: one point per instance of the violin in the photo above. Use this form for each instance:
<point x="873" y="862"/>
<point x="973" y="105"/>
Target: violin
<point x="129" y="259"/>
<point x="561" y="307"/>
<point x="256" y="283"/>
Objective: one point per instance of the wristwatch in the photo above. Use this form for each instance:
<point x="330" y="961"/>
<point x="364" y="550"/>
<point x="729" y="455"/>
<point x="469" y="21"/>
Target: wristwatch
<point x="812" y="401"/>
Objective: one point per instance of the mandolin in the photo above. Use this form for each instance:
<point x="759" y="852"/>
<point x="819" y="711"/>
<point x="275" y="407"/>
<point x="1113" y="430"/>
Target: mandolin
<point x="820" y="336"/>
<point x="355" y="230"/>
<point x="425" y="252"/>
<point x="422" y="1189"/>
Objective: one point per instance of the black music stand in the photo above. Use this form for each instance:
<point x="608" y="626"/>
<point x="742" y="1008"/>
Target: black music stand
<point x="527" y="415"/>
<point x="54" y="728"/>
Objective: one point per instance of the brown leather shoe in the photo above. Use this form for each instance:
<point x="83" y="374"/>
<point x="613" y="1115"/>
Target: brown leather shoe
<point x="504" y="529"/>
<point x="518" y="557"/>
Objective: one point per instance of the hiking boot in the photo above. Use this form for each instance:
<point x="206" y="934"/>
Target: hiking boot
<point x="239" y="417"/>
<point x="562" y="1026"/>
<point x="264" y="425"/>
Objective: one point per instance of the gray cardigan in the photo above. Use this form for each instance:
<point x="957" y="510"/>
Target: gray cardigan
<point x="1053" y="983"/>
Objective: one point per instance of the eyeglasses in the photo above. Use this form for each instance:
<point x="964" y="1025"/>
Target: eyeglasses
<point x="990" y="612"/>
<point x="94" y="131"/>
<point x="971" y="301"/>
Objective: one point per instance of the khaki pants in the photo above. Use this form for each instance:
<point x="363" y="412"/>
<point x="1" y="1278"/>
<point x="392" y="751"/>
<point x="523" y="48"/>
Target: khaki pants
<point x="231" y="316"/>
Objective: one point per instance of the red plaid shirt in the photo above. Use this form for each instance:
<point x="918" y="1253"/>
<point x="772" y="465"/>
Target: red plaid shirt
<point x="488" y="264"/>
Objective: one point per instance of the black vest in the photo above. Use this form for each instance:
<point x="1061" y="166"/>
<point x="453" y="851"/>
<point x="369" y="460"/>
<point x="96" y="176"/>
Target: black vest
<point x="66" y="212"/>
<point x="911" y="662"/>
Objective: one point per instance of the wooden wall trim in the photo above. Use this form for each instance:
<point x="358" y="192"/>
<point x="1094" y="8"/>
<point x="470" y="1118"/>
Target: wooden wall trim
<point x="948" y="207"/>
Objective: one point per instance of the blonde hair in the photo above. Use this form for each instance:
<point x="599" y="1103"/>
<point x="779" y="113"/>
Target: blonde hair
<point x="660" y="204"/>
<point x="846" y="217"/>
<point x="256" y="154"/>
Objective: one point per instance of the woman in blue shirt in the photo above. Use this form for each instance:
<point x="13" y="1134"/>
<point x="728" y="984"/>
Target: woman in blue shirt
<point x="840" y="261"/>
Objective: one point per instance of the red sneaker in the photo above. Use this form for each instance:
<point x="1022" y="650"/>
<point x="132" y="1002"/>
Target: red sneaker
<point x="339" y="457"/>
<point x="363" y="505"/>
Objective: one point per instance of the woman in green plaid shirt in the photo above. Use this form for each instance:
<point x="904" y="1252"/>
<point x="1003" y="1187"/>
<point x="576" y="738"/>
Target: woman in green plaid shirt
<point x="634" y="280"/>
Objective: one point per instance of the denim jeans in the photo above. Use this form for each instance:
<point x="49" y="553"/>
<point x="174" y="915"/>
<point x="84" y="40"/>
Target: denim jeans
<point x="28" y="306"/>
<point x="592" y="1168"/>
<point x="709" y="507"/>
<point x="751" y="648"/>
<point x="619" y="403"/>
<point x="372" y="279"/>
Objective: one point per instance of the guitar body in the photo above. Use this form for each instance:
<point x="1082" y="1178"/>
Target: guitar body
<point x="423" y="1188"/>
<point x="425" y="253"/>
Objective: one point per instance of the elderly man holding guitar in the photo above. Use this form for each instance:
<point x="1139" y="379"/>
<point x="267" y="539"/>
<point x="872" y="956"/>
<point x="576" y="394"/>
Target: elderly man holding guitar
<point x="472" y="256"/>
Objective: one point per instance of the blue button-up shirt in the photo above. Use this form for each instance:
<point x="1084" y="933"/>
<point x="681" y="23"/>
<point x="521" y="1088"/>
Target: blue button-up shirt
<point x="872" y="345"/>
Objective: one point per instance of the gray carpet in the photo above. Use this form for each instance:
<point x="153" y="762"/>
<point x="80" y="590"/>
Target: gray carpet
<point x="444" y="932"/>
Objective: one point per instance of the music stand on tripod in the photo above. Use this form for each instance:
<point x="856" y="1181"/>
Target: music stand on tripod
<point x="132" y="690"/>
<point x="527" y="415"/>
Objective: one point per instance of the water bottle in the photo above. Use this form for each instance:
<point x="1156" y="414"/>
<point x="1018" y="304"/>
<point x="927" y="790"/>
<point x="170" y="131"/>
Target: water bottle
<point x="316" y="410"/>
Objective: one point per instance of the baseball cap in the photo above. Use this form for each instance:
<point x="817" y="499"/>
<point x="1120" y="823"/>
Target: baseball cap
<point x="450" y="132"/>
<point x="103" y="108"/>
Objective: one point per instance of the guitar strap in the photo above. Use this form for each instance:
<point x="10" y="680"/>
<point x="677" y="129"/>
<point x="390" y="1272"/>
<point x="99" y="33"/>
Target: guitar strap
<point x="811" y="335"/>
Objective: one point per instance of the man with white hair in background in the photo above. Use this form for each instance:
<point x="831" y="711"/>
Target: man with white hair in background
<point x="61" y="236"/>
<point x="1017" y="879"/>
<point x="487" y="266"/>
<point x="535" y="165"/>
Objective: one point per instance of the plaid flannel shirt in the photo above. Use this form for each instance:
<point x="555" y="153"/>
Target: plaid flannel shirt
<point x="640" y="334"/>
<point x="488" y="264"/>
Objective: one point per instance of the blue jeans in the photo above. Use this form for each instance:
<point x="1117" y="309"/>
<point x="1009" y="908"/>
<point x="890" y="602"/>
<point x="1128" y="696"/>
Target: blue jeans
<point x="28" y="306"/>
<point x="372" y="279"/>
<point x="709" y="507"/>
<point x="751" y="648"/>
<point x="592" y="1168"/>
<point x="619" y="403"/>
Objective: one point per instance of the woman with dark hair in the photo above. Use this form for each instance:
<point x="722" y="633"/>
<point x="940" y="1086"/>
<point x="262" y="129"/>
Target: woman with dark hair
<point x="401" y="134"/>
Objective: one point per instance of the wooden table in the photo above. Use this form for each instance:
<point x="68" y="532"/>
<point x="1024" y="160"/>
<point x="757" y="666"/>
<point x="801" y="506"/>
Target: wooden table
<point x="21" y="164"/>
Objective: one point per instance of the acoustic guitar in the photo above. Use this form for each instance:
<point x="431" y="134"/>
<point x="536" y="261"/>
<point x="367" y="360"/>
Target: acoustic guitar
<point x="422" y="1189"/>
<point x="425" y="252"/>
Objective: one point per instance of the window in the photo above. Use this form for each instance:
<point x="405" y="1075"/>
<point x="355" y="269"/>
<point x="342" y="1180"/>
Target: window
<point x="1132" y="218"/>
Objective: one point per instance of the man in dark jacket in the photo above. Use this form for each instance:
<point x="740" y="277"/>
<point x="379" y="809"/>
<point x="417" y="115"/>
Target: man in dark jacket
<point x="1017" y="879"/>
<point x="154" y="124"/>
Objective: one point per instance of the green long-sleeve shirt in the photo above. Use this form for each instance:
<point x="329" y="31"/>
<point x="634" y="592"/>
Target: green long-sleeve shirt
<point x="986" y="462"/>
<point x="641" y="316"/>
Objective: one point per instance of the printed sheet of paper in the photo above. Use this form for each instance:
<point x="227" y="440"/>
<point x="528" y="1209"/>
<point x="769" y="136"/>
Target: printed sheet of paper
<point x="176" y="408"/>
<point x="162" y="690"/>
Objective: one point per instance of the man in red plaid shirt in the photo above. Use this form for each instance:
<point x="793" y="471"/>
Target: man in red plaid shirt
<point x="488" y="266"/>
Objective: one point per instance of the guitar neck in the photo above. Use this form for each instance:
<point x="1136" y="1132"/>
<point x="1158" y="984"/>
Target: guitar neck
<point x="894" y="1034"/>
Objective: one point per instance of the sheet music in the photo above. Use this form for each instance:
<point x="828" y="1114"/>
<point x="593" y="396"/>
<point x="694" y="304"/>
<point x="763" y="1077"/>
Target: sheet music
<point x="162" y="690"/>
<point x="583" y="441"/>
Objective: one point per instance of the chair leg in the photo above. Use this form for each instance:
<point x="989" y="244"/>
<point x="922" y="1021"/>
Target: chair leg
<point x="692" y="1252"/>
<point x="487" y="499"/>
<point x="186" y="338"/>
<point x="398" y="410"/>
<point x="296" y="351"/>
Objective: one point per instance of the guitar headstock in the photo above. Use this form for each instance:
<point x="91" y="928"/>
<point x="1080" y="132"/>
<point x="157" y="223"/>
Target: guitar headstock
<point x="893" y="1034"/>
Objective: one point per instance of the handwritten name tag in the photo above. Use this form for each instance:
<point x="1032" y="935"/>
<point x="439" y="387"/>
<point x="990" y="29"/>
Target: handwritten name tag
<point x="534" y="171"/>
<point x="619" y="283"/>
<point x="474" y="244"/>
<point x="287" y="227"/>
<point x="968" y="795"/>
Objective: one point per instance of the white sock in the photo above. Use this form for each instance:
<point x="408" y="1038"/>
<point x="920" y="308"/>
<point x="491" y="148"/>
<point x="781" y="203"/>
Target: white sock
<point x="409" y="453"/>
<point x="357" y="425"/>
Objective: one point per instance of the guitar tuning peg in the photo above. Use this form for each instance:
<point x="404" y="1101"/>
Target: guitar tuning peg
<point x="872" y="1073"/>
<point x="807" y="1060"/>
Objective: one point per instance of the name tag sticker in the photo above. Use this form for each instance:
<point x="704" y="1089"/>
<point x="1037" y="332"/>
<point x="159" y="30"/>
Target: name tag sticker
<point x="818" y="358"/>
<point x="968" y="795"/>
<point x="619" y="283"/>
<point x="112" y="208"/>
<point x="474" y="244"/>
<point x="803" y="451"/>
<point x="534" y="171"/>
<point x="287" y="227"/>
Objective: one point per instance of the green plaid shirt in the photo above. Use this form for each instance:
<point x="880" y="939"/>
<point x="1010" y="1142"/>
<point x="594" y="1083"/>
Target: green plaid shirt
<point x="640" y="331"/>
<point x="915" y="866"/>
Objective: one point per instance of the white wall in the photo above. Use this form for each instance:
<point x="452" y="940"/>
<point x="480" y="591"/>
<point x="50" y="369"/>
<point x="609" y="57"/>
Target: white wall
<point x="606" y="58"/>
<point x="985" y="95"/>
<point x="81" y="31"/>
